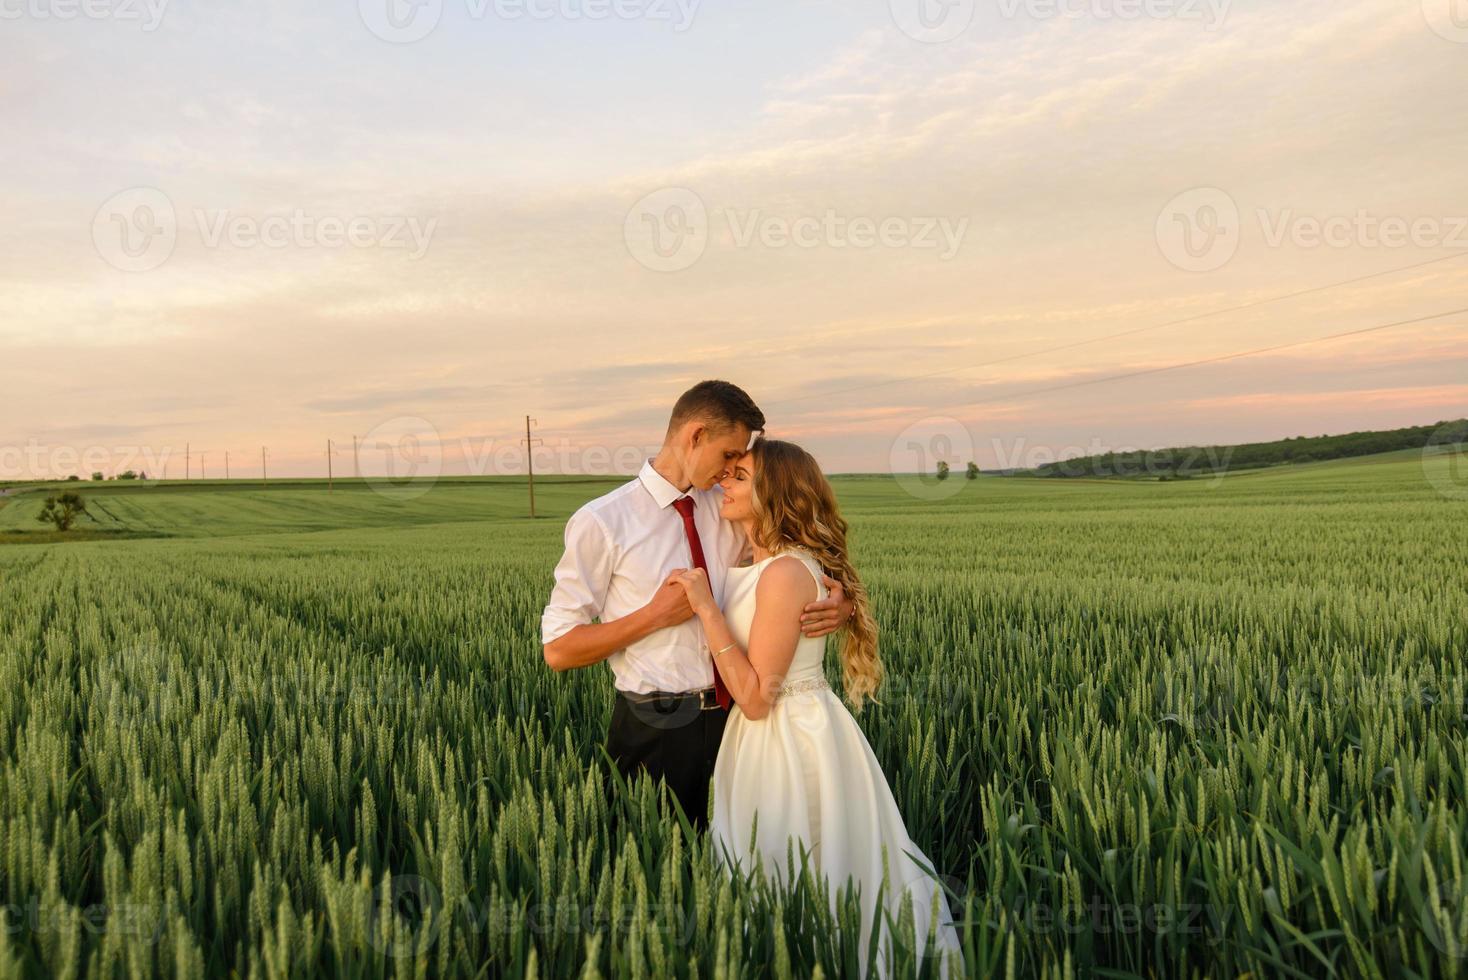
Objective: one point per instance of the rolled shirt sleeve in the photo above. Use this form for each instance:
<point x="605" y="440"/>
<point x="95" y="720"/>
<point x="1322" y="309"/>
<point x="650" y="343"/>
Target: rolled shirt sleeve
<point x="582" y="578"/>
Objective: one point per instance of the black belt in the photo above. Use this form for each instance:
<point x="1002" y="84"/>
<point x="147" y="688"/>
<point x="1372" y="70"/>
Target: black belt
<point x="669" y="700"/>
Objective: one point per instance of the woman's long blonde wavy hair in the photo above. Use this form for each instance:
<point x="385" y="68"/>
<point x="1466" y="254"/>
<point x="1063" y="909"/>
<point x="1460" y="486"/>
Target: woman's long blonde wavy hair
<point x="794" y="506"/>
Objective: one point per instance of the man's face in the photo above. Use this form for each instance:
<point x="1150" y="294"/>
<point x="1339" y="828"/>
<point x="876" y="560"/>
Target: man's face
<point x="714" y="455"/>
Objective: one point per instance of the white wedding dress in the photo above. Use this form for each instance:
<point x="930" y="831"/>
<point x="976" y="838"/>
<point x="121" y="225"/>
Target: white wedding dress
<point x="807" y="771"/>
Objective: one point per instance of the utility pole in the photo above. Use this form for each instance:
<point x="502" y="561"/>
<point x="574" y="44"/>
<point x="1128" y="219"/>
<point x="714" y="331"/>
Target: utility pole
<point x="203" y="473"/>
<point x="356" y="460"/>
<point x="530" y="445"/>
<point x="262" y="468"/>
<point x="226" y="464"/>
<point x="328" y="464"/>
<point x="188" y="464"/>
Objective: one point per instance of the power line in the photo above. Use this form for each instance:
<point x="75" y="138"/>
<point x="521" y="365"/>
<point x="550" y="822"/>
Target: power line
<point x="1125" y="333"/>
<point x="530" y="442"/>
<point x="1211" y="360"/>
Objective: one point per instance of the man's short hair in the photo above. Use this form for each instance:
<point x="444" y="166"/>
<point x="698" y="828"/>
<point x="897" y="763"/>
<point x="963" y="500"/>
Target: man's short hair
<point x="719" y="405"/>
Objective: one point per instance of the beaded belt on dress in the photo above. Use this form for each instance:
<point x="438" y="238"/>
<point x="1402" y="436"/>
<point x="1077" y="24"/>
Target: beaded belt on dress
<point x="804" y="685"/>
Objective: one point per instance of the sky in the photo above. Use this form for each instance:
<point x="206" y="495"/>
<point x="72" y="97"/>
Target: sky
<point x="998" y="230"/>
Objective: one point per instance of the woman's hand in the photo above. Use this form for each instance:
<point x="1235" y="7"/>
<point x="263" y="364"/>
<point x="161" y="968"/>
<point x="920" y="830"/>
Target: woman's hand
<point x="695" y="583"/>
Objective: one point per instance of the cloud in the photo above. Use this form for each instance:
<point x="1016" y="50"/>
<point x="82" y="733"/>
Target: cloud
<point x="1416" y="397"/>
<point x="1058" y="140"/>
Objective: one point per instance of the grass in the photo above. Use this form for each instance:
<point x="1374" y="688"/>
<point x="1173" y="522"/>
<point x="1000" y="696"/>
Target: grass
<point x="1213" y="727"/>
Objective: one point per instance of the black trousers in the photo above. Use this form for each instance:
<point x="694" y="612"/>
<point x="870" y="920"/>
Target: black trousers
<point x="673" y="738"/>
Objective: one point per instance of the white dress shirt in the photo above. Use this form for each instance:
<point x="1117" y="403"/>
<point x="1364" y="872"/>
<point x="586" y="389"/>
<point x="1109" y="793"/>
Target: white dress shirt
<point x="620" y="548"/>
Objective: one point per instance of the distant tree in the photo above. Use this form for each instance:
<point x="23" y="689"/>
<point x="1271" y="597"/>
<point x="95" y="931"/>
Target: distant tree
<point x="73" y="478"/>
<point x="143" y="475"/>
<point x="942" y="469"/>
<point x="62" y="510"/>
<point x="97" y="476"/>
<point x="127" y="475"/>
<point x="973" y="470"/>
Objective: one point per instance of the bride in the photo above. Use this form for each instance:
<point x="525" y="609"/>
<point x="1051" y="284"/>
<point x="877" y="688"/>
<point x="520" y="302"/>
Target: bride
<point x="792" y="754"/>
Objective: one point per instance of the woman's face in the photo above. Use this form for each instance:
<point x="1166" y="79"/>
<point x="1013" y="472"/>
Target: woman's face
<point x="738" y="487"/>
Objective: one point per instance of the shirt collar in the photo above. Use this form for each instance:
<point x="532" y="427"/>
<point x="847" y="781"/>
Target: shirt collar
<point x="663" y="492"/>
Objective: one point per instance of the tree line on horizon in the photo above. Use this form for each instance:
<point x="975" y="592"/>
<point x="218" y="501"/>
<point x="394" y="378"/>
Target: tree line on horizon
<point x="1188" y="461"/>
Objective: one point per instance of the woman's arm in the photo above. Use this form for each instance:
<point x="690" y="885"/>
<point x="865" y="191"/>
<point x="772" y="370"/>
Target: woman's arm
<point x="754" y="676"/>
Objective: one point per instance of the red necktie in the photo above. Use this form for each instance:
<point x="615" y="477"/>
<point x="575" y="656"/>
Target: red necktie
<point x="695" y="547"/>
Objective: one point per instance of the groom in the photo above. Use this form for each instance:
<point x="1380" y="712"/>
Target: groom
<point x="614" y="598"/>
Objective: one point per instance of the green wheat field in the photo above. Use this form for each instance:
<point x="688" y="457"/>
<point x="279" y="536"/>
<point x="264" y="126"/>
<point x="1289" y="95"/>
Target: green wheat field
<point x="1200" y="728"/>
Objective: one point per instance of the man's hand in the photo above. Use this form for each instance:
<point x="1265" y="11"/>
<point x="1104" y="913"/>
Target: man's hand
<point x="591" y="643"/>
<point x="669" y="605"/>
<point x="826" y="615"/>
